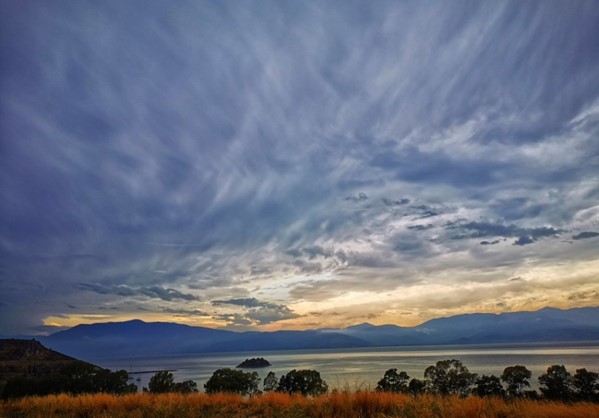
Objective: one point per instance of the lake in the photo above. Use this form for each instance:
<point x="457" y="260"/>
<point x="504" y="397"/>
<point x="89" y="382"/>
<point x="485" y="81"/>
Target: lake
<point x="361" y="368"/>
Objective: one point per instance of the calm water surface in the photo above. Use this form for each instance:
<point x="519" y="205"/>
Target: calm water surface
<point x="361" y="368"/>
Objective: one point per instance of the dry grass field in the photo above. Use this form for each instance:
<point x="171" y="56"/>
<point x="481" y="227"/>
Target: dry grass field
<point x="341" y="404"/>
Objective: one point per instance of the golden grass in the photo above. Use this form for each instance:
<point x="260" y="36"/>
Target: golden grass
<point x="359" y="404"/>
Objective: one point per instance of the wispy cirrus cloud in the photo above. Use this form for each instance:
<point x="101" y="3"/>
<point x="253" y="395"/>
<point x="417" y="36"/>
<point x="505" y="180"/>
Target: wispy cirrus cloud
<point x="293" y="154"/>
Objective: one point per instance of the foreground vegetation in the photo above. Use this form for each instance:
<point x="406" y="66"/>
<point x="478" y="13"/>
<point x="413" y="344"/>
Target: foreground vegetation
<point x="276" y="404"/>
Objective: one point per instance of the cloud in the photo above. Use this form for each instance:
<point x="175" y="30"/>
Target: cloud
<point x="195" y="149"/>
<point x="185" y="312"/>
<point x="260" y="313"/>
<point x="245" y="302"/>
<point x="489" y="229"/>
<point x="585" y="235"/>
<point x="420" y="227"/>
<point x="400" y="202"/>
<point x="155" y="292"/>
<point x="524" y="240"/>
<point x="360" y="197"/>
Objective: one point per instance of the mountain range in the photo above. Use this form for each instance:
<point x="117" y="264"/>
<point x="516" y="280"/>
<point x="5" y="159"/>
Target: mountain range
<point x="139" y="338"/>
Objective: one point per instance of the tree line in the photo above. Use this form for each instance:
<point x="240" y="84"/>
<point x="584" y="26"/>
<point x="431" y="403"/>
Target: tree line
<point x="446" y="377"/>
<point x="451" y="377"/>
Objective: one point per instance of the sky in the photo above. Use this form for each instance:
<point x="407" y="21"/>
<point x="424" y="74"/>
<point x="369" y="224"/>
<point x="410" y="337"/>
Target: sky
<point x="291" y="165"/>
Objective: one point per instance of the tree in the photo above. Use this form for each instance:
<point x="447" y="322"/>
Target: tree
<point x="393" y="382"/>
<point x="449" y="377"/>
<point x="115" y="382"/>
<point x="186" y="386"/>
<point x="416" y="387"/>
<point x="516" y="378"/>
<point x="270" y="382"/>
<point x="306" y="382"/>
<point x="162" y="382"/>
<point x="488" y="386"/>
<point x="233" y="381"/>
<point x="586" y="385"/>
<point x="556" y="383"/>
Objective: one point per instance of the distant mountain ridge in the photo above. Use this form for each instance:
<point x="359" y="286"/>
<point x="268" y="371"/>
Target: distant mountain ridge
<point x="137" y="338"/>
<point x="544" y="325"/>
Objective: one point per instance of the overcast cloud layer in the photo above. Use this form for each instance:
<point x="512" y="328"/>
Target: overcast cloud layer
<point x="294" y="164"/>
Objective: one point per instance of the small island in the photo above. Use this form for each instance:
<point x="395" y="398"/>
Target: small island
<point x="253" y="363"/>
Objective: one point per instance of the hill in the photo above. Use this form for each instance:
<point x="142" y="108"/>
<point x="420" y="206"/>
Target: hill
<point x="29" y="358"/>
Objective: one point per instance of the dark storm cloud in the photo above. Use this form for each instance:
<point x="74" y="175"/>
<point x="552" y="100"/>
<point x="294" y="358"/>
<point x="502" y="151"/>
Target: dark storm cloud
<point x="153" y="147"/>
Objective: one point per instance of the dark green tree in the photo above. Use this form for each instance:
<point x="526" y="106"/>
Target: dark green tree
<point x="186" y="386"/>
<point x="416" y="387"/>
<point x="233" y="381"/>
<point x="270" y="382"/>
<point x="114" y="382"/>
<point x="488" y="386"/>
<point x="393" y="381"/>
<point x="585" y="383"/>
<point x="556" y="383"/>
<point x="449" y="377"/>
<point x="306" y="382"/>
<point x="162" y="382"/>
<point x="516" y="379"/>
